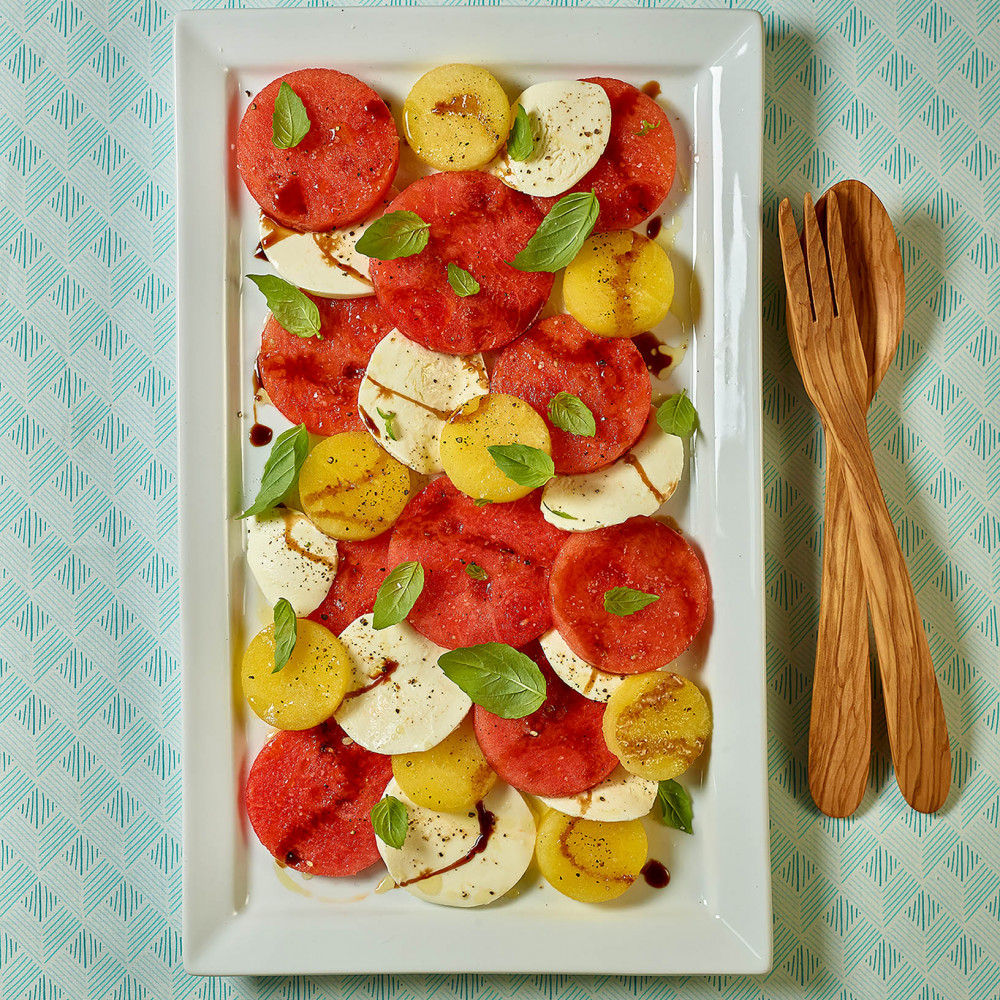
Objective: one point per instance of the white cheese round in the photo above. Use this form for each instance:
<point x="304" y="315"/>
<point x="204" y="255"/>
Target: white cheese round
<point x="597" y="685"/>
<point x="436" y="840"/>
<point x="419" y="388"/>
<point x="414" y="707"/>
<point x="639" y="482"/>
<point x="322" y="264"/>
<point x="570" y="123"/>
<point x="620" y="797"/>
<point x="291" y="558"/>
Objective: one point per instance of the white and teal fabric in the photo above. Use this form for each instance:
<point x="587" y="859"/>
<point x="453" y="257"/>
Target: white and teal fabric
<point x="889" y="904"/>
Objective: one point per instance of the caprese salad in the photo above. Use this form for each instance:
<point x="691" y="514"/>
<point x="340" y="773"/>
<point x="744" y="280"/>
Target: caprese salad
<point x="475" y="610"/>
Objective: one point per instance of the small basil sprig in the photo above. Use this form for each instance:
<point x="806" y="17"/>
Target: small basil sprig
<point x="520" y="142"/>
<point x="289" y="123"/>
<point x="390" y="821"/>
<point x="626" y="601"/>
<point x="560" y="513"/>
<point x="525" y="465"/>
<point x="561" y="233"/>
<point x="571" y="414"/>
<point x="474" y="570"/>
<point x="677" y="415"/>
<point x="387" y="419"/>
<point x="397" y="234"/>
<point x="498" y="677"/>
<point x="462" y="283"/>
<point x="675" y="806"/>
<point x="646" y="127"/>
<point x="292" y="308"/>
<point x="286" y="628"/>
<point x="281" y="470"/>
<point x="397" y="595"/>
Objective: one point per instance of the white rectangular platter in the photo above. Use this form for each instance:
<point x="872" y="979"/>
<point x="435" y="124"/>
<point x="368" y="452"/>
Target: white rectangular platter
<point x="242" y="914"/>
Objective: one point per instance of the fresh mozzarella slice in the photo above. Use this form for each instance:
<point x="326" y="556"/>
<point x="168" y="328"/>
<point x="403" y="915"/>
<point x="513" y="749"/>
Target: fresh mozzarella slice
<point x="620" y="797"/>
<point x="435" y="840"/>
<point x="637" y="483"/>
<point x="291" y="558"/>
<point x="323" y="264"/>
<point x="597" y="685"/>
<point x="570" y="123"/>
<point x="420" y="388"/>
<point x="400" y="700"/>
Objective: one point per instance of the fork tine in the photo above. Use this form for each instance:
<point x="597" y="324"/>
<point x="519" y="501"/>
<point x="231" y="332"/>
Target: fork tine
<point x="843" y="296"/>
<point x="819" y="272"/>
<point x="794" y="266"/>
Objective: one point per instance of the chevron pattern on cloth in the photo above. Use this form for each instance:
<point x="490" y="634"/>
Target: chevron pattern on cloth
<point x="904" y="94"/>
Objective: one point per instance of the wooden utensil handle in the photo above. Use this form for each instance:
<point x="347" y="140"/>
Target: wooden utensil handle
<point x="841" y="714"/>
<point x="918" y="733"/>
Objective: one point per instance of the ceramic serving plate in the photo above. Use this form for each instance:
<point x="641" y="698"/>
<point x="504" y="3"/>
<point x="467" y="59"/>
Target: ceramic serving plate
<point x="242" y="913"/>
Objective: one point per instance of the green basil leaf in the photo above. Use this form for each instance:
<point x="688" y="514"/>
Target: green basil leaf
<point x="398" y="234"/>
<point x="476" y="571"/>
<point x="481" y="502"/>
<point x="390" y="821"/>
<point x="498" y="677"/>
<point x="527" y="466"/>
<point x="626" y="601"/>
<point x="560" y="513"/>
<point x="387" y="419"/>
<point x="397" y="595"/>
<point x="286" y="628"/>
<point x="675" y="806"/>
<point x="462" y="283"/>
<point x="281" y="470"/>
<point x="677" y="415"/>
<point x="520" y="142"/>
<point x="561" y="234"/>
<point x="571" y="414"/>
<point x="290" y="123"/>
<point x="646" y="127"/>
<point x="292" y="308"/>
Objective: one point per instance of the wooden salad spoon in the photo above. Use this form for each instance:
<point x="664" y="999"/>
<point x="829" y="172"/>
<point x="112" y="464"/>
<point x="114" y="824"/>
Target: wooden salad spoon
<point x="828" y="349"/>
<point x="840" y="723"/>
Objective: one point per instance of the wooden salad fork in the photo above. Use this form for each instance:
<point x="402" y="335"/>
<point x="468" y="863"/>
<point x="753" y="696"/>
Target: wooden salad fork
<point x="827" y="346"/>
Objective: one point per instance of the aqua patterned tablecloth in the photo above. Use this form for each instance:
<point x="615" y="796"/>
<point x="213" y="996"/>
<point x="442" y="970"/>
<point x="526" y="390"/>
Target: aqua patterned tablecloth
<point x="902" y="93"/>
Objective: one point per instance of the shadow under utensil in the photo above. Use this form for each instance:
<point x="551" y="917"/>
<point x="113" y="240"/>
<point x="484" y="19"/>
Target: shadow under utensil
<point x="794" y="472"/>
<point x="794" y="463"/>
<point x="911" y="441"/>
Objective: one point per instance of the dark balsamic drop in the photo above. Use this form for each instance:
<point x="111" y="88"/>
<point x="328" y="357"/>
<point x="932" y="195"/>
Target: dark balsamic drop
<point x="289" y="200"/>
<point x="655" y="874"/>
<point x="260" y="435"/>
<point x="652" y="354"/>
<point x="653" y="227"/>
<point x="651" y="89"/>
<point x="378" y="109"/>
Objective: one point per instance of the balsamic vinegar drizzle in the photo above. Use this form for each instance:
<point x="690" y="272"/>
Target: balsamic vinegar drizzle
<point x="388" y="668"/>
<point x="260" y="434"/>
<point x="487" y="824"/>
